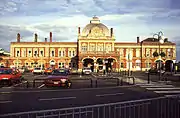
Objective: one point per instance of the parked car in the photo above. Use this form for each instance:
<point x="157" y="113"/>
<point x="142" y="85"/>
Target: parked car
<point x="155" y="71"/>
<point x="22" y="70"/>
<point x="38" y="70"/>
<point x="58" y="78"/>
<point x="87" y="70"/>
<point x="48" y="71"/>
<point x="9" y="76"/>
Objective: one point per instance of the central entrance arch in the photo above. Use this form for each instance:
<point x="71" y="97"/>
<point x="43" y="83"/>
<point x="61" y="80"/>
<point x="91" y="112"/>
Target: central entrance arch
<point x="88" y="62"/>
<point x="105" y="64"/>
<point x="159" y="64"/>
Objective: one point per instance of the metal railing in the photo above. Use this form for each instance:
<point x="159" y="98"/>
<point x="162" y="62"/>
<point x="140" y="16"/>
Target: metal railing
<point x="161" y="107"/>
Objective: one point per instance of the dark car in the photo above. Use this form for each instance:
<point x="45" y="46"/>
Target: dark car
<point x="58" y="78"/>
<point x="156" y="71"/>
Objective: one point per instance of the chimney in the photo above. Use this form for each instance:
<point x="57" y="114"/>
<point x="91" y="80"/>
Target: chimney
<point x="50" y="36"/>
<point x="45" y="39"/>
<point x="138" y="39"/>
<point x="111" y="32"/>
<point x="35" y="37"/>
<point x="18" y="37"/>
<point x="79" y="30"/>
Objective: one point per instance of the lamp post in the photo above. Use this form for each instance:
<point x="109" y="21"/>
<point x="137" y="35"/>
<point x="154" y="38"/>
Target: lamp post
<point x="161" y="41"/>
<point x="129" y="66"/>
<point x="141" y="54"/>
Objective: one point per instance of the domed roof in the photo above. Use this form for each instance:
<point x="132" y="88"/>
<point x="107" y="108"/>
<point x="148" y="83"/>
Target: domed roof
<point x="95" y="18"/>
<point x="97" y="26"/>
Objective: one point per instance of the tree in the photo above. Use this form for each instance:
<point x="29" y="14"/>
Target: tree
<point x="155" y="54"/>
<point x="1" y="59"/>
<point x="162" y="54"/>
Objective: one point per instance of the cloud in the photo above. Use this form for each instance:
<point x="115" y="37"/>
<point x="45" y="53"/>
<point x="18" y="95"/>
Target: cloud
<point x="129" y="18"/>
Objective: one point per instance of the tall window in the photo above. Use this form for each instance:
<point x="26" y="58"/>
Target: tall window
<point x="122" y="65"/>
<point x="60" y="54"/>
<point x="84" y="48"/>
<point x="92" y="47"/>
<point x="63" y="53"/>
<point x="69" y="53"/>
<point x="29" y="54"/>
<point x="18" y="54"/>
<point x="24" y="53"/>
<point x="35" y="53"/>
<point x="52" y="53"/>
<point x="73" y="53"/>
<point x="42" y="53"/>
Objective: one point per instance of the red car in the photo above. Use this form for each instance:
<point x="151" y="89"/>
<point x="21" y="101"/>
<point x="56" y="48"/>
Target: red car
<point x="10" y="76"/>
<point x="58" y="78"/>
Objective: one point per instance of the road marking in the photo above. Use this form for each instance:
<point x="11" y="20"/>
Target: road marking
<point x="7" y="87"/>
<point x="162" y="88"/>
<point x="172" y="95"/>
<point x="3" y="102"/>
<point x="19" y="84"/>
<point x="157" y="86"/>
<point x="102" y="95"/>
<point x="66" y="90"/>
<point x="167" y="91"/>
<point x="5" y="92"/>
<point x="41" y="86"/>
<point x="63" y="98"/>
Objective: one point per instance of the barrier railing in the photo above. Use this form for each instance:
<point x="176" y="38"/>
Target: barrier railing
<point x="81" y="79"/>
<point x="107" y="78"/>
<point x="161" y="107"/>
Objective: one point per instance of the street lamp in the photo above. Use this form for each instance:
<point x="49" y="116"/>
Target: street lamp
<point x="161" y="41"/>
<point x="129" y="64"/>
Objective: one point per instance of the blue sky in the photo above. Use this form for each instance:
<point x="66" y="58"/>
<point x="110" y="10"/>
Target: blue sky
<point x="129" y="18"/>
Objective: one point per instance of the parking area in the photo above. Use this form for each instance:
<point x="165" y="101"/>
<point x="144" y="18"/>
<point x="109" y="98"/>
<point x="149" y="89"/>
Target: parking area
<point x="31" y="81"/>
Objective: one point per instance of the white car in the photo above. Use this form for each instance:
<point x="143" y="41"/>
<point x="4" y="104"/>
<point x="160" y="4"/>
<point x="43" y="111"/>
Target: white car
<point x="21" y="70"/>
<point x="87" y="70"/>
<point x="38" y="70"/>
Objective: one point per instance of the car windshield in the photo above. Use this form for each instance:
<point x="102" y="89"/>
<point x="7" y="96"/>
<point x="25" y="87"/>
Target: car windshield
<point x="5" y="71"/>
<point x="61" y="72"/>
<point x="37" y="68"/>
<point x="87" y="68"/>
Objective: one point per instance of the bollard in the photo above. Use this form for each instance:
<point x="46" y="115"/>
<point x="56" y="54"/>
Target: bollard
<point x="96" y="83"/>
<point x="91" y="83"/>
<point x="133" y="80"/>
<point x="148" y="78"/>
<point x="27" y="84"/>
<point x="34" y="83"/>
<point x="121" y="82"/>
<point x="117" y="81"/>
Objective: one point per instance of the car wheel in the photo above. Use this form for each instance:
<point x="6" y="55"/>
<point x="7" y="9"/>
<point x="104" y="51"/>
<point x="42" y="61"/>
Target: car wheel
<point x="10" y="82"/>
<point x="68" y="84"/>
